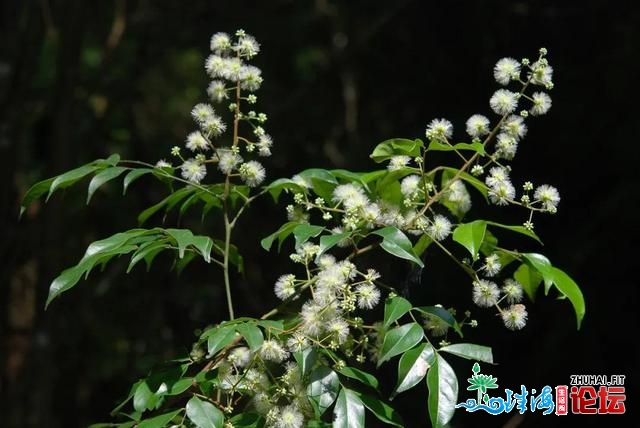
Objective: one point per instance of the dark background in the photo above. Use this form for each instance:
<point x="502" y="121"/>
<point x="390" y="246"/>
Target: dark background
<point x="81" y="80"/>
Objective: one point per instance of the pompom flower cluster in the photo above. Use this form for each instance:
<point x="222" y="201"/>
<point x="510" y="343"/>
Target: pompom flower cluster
<point x="233" y="81"/>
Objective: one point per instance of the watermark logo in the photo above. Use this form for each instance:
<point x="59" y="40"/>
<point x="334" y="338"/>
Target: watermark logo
<point x="589" y="394"/>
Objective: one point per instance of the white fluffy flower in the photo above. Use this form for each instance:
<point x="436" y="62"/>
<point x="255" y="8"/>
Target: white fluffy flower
<point x="217" y="91"/>
<point x="227" y="160"/>
<point x="398" y="162"/>
<point x="409" y="185"/>
<point x="505" y="70"/>
<point x="439" y="228"/>
<point x="477" y="126"/>
<point x="252" y="173"/>
<point x="485" y="293"/>
<point x="285" y="286"/>
<point x="220" y="42"/>
<point x="515" y="317"/>
<point x="549" y="196"/>
<point x="368" y="296"/>
<point x="514" y="126"/>
<point x="503" y="102"/>
<point x="193" y="170"/>
<point x="440" y="130"/>
<point x="195" y="141"/>
<point x="541" y="103"/>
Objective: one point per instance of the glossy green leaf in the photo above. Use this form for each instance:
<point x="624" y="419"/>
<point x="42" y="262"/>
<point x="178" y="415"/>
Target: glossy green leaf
<point x="470" y="235"/>
<point x="394" y="309"/>
<point x="132" y="176"/>
<point x="220" y="338"/>
<point x="443" y="314"/>
<point x="204" y="414"/>
<point x="348" y="411"/>
<point x="380" y="409"/>
<point x="306" y="360"/>
<point x="147" y="252"/>
<point x="280" y="234"/>
<point x="529" y="278"/>
<point x="413" y="366"/>
<point x="443" y="392"/>
<point x="70" y="177"/>
<point x="321" y="180"/>
<point x="303" y="232"/>
<point x="542" y="265"/>
<point x="276" y="187"/>
<point x="396" y="243"/>
<point x="70" y="277"/>
<point x="322" y="389"/>
<point x="34" y="193"/>
<point x="518" y="229"/>
<point x="329" y="241"/>
<point x="394" y="147"/>
<point x="103" y="177"/>
<point x="399" y="340"/>
<point x="146" y="399"/>
<point x="570" y="289"/>
<point x="167" y="203"/>
<point x="180" y="386"/>
<point x="252" y="334"/>
<point x="359" y="375"/>
<point x="476" y="147"/>
<point x="159" y="421"/>
<point x="470" y="351"/>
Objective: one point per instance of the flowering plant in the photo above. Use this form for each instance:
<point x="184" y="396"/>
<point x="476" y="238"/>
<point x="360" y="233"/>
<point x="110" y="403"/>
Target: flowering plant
<point x="308" y="361"/>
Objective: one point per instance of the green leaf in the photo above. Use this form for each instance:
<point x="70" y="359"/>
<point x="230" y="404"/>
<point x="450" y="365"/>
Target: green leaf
<point x="252" y="334"/>
<point x="413" y="366"/>
<point x="132" y="176"/>
<point x="449" y="173"/>
<point x="70" y="277"/>
<point x="394" y="147"/>
<point x="276" y="187"/>
<point x="145" y="399"/>
<point x="34" y="193"/>
<point x="102" y="177"/>
<point x="394" y="309"/>
<point x="247" y="420"/>
<point x="183" y="238"/>
<point x="303" y="232"/>
<point x="443" y="392"/>
<point x="396" y="243"/>
<point x="70" y="177"/>
<point x="329" y="241"/>
<point x="220" y="338"/>
<point x="542" y="265"/>
<point x="147" y="252"/>
<point x="529" y="278"/>
<point x="518" y="229"/>
<point x="322" y="389"/>
<point x="470" y="235"/>
<point x="180" y="386"/>
<point x="204" y="414"/>
<point x="400" y="339"/>
<point x="359" y="375"/>
<point x="570" y="289"/>
<point x="380" y="409"/>
<point x="280" y="234"/>
<point x="443" y="314"/>
<point x="167" y="203"/>
<point x="442" y="147"/>
<point x="348" y="411"/>
<point x="306" y="360"/>
<point x="421" y="246"/>
<point x="159" y="421"/>
<point x="470" y="351"/>
<point x="321" y="180"/>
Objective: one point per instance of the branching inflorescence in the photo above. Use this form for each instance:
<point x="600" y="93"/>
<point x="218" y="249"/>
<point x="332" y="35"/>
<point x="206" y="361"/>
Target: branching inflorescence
<point x="311" y="353"/>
